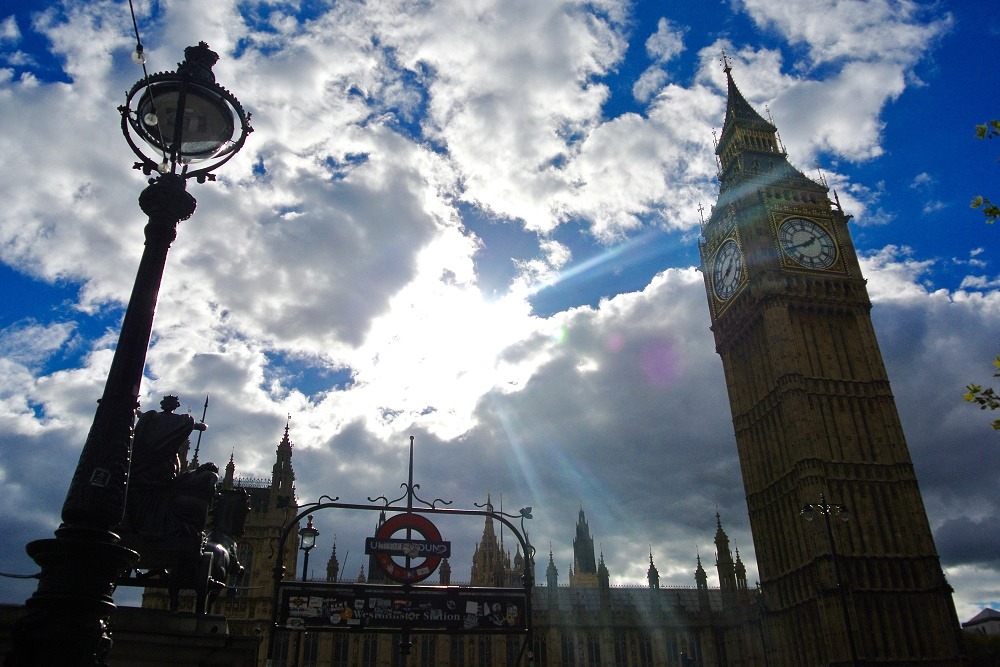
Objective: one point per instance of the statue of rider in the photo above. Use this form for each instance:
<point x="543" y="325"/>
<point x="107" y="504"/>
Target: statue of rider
<point x="166" y="503"/>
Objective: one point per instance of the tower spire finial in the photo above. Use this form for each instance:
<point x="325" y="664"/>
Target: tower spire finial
<point x="822" y="176"/>
<point x="724" y="60"/>
<point x="777" y="134"/>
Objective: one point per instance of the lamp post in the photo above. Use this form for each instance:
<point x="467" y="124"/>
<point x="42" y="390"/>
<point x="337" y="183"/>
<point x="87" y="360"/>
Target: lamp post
<point x="307" y="540"/>
<point x="808" y="512"/>
<point x="186" y="118"/>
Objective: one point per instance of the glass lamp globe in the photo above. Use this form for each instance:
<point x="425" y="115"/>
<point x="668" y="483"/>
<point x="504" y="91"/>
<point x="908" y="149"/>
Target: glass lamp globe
<point x="185" y="119"/>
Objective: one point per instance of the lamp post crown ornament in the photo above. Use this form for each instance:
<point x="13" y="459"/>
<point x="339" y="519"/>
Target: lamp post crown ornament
<point x="198" y="62"/>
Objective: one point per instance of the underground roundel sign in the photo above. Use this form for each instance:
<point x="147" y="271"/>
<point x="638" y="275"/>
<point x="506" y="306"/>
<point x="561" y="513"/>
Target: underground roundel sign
<point x="420" y="557"/>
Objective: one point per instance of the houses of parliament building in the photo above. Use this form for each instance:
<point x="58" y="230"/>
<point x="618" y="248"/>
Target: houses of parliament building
<point x="582" y="622"/>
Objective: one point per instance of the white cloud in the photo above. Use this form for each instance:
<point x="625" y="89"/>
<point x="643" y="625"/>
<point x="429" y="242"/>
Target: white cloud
<point x="933" y="206"/>
<point x="9" y="31"/>
<point x="846" y="30"/>
<point x="506" y="103"/>
<point x="30" y="343"/>
<point x="894" y="274"/>
<point x="839" y="115"/>
<point x="631" y="167"/>
<point x="871" y="46"/>
<point x="667" y="42"/>
<point x="980" y="282"/>
<point x="649" y="83"/>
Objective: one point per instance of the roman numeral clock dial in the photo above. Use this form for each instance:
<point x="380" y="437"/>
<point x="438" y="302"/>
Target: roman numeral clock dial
<point x="727" y="270"/>
<point x="807" y="243"/>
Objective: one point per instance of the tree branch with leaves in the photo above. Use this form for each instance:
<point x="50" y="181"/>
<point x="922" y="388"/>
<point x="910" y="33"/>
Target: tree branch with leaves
<point x="987" y="398"/>
<point x="990" y="210"/>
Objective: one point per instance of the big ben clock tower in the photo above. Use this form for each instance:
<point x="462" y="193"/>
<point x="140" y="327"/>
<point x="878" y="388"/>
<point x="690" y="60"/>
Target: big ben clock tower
<point x="815" y="420"/>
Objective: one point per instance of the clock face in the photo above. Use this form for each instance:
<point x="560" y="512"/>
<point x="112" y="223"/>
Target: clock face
<point x="727" y="270"/>
<point x="807" y="243"/>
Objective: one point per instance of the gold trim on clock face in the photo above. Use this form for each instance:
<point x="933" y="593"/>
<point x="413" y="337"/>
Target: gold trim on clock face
<point x="807" y="243"/>
<point x="727" y="270"/>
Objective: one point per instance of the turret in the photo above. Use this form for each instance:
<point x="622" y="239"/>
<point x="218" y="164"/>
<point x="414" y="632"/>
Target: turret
<point x="583" y="547"/>
<point x="652" y="575"/>
<point x="551" y="576"/>
<point x="230" y="477"/>
<point x="584" y="570"/>
<point x="490" y="563"/>
<point x="603" y="576"/>
<point x="741" y="573"/>
<point x="333" y="565"/>
<point x="701" y="580"/>
<point x="724" y="562"/>
<point x="282" y="475"/>
<point x="749" y="145"/>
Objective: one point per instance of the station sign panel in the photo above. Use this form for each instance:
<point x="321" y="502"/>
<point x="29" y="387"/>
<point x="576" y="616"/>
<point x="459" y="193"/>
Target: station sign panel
<point x="446" y="609"/>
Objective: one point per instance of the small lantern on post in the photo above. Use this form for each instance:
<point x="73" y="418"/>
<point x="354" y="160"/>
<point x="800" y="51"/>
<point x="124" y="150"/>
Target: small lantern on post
<point x="307" y="540"/>
<point x="827" y="510"/>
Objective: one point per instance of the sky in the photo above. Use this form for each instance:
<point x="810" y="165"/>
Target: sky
<point x="476" y="223"/>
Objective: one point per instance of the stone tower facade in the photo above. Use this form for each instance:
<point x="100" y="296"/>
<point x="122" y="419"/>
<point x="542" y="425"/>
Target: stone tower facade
<point x="813" y="414"/>
<point x="246" y="604"/>
<point x="732" y="573"/>
<point x="491" y="563"/>
<point x="584" y="572"/>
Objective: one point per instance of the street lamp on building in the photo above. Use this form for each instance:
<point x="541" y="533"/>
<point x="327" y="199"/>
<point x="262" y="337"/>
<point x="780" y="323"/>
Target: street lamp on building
<point x="827" y="510"/>
<point x="185" y="119"/>
<point x="307" y="540"/>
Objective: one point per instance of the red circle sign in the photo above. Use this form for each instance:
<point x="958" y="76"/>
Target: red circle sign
<point x="425" y="529"/>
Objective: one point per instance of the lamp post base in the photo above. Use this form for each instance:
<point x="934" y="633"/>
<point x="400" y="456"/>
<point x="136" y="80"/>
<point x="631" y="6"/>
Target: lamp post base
<point x="67" y="617"/>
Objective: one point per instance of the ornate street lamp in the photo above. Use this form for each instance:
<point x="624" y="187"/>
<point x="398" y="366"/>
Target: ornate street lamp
<point x="307" y="540"/>
<point x="186" y="119"/>
<point x="826" y="510"/>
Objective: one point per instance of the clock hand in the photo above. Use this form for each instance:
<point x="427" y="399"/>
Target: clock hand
<point x="799" y="246"/>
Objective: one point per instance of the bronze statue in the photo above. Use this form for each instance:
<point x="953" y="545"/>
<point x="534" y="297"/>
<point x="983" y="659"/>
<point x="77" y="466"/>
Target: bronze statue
<point x="165" y="503"/>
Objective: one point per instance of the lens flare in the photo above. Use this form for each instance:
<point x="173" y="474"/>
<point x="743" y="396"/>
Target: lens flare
<point x="660" y="363"/>
<point x="614" y="342"/>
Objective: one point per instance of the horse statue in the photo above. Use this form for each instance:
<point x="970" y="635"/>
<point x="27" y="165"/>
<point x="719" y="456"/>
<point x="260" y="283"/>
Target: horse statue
<point x="203" y="565"/>
<point x="227" y="523"/>
<point x="208" y="572"/>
